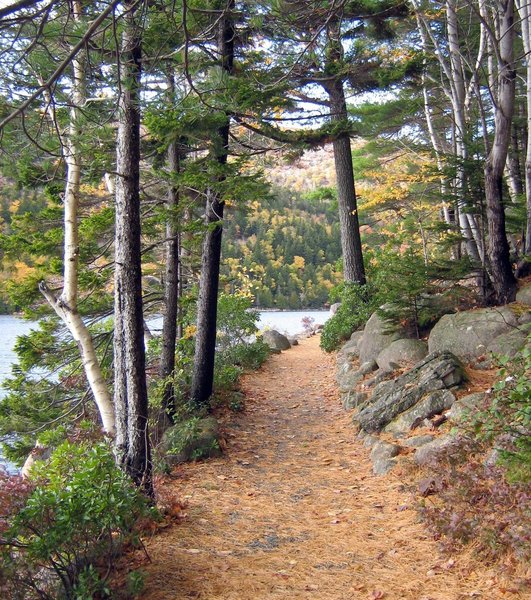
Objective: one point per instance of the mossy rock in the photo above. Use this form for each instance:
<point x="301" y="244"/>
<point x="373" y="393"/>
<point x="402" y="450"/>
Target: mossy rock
<point x="193" y="439"/>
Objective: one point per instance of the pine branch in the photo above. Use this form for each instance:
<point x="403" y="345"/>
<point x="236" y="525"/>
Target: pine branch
<point x="47" y="85"/>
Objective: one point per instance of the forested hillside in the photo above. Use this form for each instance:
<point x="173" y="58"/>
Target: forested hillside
<point x="287" y="247"/>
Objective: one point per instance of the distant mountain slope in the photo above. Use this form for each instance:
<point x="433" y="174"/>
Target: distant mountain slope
<point x="284" y="249"/>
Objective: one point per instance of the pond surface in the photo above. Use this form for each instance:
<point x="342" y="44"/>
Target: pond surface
<point x="288" y="322"/>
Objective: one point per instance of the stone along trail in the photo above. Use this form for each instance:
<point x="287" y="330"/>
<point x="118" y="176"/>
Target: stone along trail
<point x="293" y="510"/>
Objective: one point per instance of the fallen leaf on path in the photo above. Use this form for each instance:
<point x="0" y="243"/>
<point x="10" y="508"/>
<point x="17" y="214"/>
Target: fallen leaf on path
<point x="295" y="405"/>
<point x="377" y="594"/>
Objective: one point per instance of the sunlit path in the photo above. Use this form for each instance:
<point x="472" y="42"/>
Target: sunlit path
<point x="293" y="511"/>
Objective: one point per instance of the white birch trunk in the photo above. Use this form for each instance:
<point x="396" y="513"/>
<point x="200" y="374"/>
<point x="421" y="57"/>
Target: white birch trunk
<point x="65" y="305"/>
<point x="524" y="11"/>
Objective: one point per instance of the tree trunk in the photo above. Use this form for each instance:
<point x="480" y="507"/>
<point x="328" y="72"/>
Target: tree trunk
<point x="467" y="222"/>
<point x="205" y="342"/>
<point x="353" y="267"/>
<point x="502" y="276"/>
<point x="66" y="305"/>
<point x="130" y="389"/>
<point x="524" y="10"/>
<point x="171" y="292"/>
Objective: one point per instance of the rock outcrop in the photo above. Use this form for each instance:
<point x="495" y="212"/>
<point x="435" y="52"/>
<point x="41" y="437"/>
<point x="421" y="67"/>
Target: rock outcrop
<point x="275" y="340"/>
<point x="422" y="397"/>
<point x="468" y="334"/>
<point x="438" y="371"/>
<point x="430" y="405"/>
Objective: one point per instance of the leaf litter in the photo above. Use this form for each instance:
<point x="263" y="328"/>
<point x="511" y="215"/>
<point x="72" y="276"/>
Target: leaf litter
<point x="258" y="520"/>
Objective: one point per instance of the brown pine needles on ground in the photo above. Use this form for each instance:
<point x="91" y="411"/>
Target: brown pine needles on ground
<point x="293" y="510"/>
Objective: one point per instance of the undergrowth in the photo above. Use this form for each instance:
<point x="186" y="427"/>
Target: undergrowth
<point x="483" y="478"/>
<point x="62" y="529"/>
<point x="357" y="303"/>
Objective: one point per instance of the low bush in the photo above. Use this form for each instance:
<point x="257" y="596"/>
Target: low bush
<point x="484" y="495"/>
<point x="357" y="303"/>
<point x="192" y="439"/>
<point x="63" y="534"/>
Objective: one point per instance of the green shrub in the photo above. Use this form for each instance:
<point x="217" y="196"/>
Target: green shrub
<point x="506" y="422"/>
<point x="192" y="439"/>
<point x="357" y="304"/>
<point x="487" y="501"/>
<point x="248" y="356"/>
<point x="236" y="322"/>
<point x="72" y="526"/>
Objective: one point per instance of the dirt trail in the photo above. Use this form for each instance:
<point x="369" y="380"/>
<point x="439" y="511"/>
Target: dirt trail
<point x="293" y="511"/>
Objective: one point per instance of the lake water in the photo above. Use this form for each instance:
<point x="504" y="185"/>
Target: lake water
<point x="289" y="322"/>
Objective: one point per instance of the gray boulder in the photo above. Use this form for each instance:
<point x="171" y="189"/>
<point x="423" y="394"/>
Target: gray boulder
<point x="356" y="336"/>
<point x="467" y="334"/>
<point x="343" y="368"/>
<point x="377" y="335"/>
<point x="275" y="340"/>
<point x="350" y="349"/>
<point x="382" y="456"/>
<point x="191" y="440"/>
<point x="370" y="440"/>
<point x="429" y="451"/>
<point x="524" y="295"/>
<point x="401" y="353"/>
<point x="334" y="307"/>
<point x="353" y="399"/>
<point x="438" y="371"/>
<point x="465" y="407"/>
<point x="293" y="341"/>
<point x="510" y="343"/>
<point x="368" y="367"/>
<point x="430" y="405"/>
<point x="348" y="381"/>
<point x="417" y="441"/>
<point x="348" y="378"/>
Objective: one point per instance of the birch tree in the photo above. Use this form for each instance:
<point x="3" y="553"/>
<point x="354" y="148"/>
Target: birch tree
<point x="66" y="303"/>
<point x="524" y="12"/>
<point x="500" y="266"/>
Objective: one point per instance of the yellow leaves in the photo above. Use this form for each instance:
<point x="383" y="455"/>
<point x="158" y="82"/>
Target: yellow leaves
<point x="95" y="192"/>
<point x="189" y="332"/>
<point x="298" y="262"/>
<point x="22" y="270"/>
<point x="14" y="207"/>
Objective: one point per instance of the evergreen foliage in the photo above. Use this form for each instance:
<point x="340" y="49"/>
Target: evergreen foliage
<point x="285" y="248"/>
<point x="61" y="538"/>
<point x="357" y="303"/>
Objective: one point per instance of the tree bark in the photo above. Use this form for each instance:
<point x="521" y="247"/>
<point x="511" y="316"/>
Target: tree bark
<point x="171" y="292"/>
<point x="353" y="267"/>
<point x="205" y="342"/>
<point x="66" y="305"/>
<point x="130" y="389"/>
<point x="524" y="11"/>
<point x="502" y="275"/>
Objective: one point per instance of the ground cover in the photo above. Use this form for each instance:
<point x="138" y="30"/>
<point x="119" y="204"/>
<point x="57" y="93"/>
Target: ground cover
<point x="292" y="510"/>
